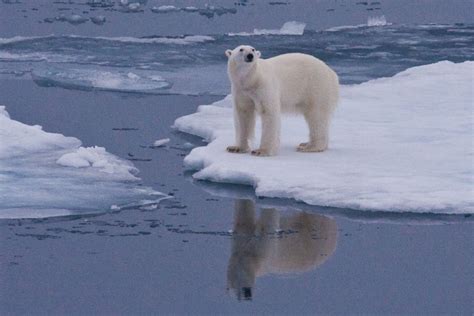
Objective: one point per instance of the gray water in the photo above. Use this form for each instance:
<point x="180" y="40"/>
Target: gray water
<point x="211" y="249"/>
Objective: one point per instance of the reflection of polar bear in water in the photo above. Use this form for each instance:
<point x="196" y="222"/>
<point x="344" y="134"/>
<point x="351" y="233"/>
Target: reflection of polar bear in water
<point x="306" y="241"/>
<point x="295" y="83"/>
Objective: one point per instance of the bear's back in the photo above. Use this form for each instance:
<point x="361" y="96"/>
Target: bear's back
<point x="302" y="79"/>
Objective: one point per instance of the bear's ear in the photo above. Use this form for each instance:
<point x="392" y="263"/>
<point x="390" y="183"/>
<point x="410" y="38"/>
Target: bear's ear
<point x="258" y="53"/>
<point x="228" y="53"/>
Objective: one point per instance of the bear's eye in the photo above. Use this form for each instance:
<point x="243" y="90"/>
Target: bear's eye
<point x="253" y="49"/>
<point x="241" y="49"/>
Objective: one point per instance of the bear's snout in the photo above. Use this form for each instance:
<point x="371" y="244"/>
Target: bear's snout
<point x="249" y="57"/>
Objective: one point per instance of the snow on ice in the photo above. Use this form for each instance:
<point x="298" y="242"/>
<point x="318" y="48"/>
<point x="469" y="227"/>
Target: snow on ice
<point x="400" y="144"/>
<point x="46" y="174"/>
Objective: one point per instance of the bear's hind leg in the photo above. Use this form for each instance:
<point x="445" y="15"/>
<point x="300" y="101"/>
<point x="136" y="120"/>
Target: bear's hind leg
<point x="318" y="124"/>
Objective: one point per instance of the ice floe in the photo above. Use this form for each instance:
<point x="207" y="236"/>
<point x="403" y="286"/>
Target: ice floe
<point x="178" y="40"/>
<point x="377" y="21"/>
<point x="94" y="79"/>
<point x="99" y="20"/>
<point x="289" y="28"/>
<point x="46" y="174"/>
<point x="17" y="39"/>
<point x="400" y="144"/>
<point x="371" y="22"/>
<point x="165" y="9"/>
<point x="183" y="40"/>
<point x="161" y="142"/>
<point x="208" y="11"/>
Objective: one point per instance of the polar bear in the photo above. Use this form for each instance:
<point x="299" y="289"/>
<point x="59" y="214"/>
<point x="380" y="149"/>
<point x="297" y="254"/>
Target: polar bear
<point x="275" y="243"/>
<point x="289" y="83"/>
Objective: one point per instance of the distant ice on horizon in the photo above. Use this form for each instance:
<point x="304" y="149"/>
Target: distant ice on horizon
<point x="289" y="28"/>
<point x="371" y="22"/>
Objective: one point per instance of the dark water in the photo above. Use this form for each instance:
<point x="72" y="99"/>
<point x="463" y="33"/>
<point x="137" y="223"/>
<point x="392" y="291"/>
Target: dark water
<point x="198" y="251"/>
<point x="213" y="249"/>
<point x="194" y="65"/>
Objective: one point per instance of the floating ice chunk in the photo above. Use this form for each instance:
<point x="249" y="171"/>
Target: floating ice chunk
<point x="161" y="142"/>
<point x="101" y="3"/>
<point x="401" y="144"/>
<point x="97" y="157"/>
<point x="376" y="21"/>
<point x="183" y="40"/>
<point x="76" y="19"/>
<point x="371" y="22"/>
<point x="289" y="28"/>
<point x="292" y="28"/>
<point x="22" y="57"/>
<point x="209" y="11"/>
<point x="133" y="76"/>
<point x="179" y="40"/>
<point x="90" y="79"/>
<point x="156" y="78"/>
<point x="165" y="9"/>
<point x="188" y="145"/>
<point x="134" y="7"/>
<point x="61" y="18"/>
<point x="190" y="9"/>
<point x="17" y="39"/>
<point x="45" y="174"/>
<point x="99" y="20"/>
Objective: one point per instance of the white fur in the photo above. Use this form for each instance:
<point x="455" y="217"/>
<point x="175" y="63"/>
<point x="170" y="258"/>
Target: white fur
<point x="289" y="83"/>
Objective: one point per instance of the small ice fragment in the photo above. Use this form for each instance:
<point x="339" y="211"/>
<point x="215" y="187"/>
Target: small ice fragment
<point x="161" y="142"/>
<point x="99" y="20"/>
<point x="164" y="9"/>
<point x="156" y="78"/>
<point x="133" y="76"/>
<point x="115" y="207"/>
<point x="76" y="19"/>
<point x="188" y="145"/>
<point x="61" y="18"/>
<point x="190" y="9"/>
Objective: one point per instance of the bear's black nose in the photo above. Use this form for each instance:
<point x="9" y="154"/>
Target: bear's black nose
<point x="249" y="57"/>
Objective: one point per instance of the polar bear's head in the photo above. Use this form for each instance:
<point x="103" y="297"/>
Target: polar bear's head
<point x="243" y="54"/>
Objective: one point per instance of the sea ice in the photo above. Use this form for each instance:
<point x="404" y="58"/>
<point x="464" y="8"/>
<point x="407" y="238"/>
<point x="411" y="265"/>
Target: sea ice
<point x="99" y="20"/>
<point x="46" y="174"/>
<point x="400" y="144"/>
<point x="76" y="19"/>
<point x="371" y="22"/>
<point x="165" y="9"/>
<point x="161" y="142"/>
<point x="377" y="21"/>
<point x="183" y="40"/>
<point x="289" y="28"/>
<point x="90" y="79"/>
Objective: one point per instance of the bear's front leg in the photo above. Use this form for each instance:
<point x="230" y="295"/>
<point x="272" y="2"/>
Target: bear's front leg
<point x="244" y="121"/>
<point x="270" y="140"/>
